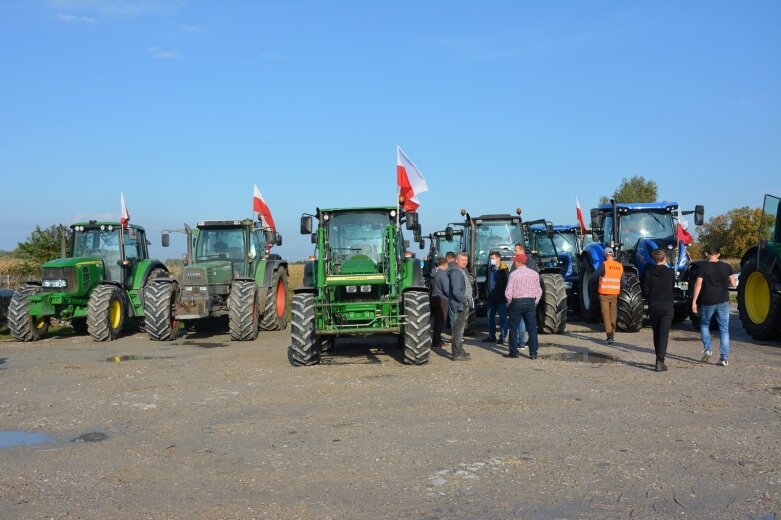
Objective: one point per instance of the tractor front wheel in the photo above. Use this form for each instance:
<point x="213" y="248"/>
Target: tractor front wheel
<point x="23" y="326"/>
<point x="275" y="310"/>
<point x="589" y="301"/>
<point x="160" y="321"/>
<point x="552" y="309"/>
<point x="630" y="304"/>
<point x="417" y="328"/>
<point x="759" y="306"/>
<point x="106" y="313"/>
<point x="243" y="311"/>
<point x="304" y="347"/>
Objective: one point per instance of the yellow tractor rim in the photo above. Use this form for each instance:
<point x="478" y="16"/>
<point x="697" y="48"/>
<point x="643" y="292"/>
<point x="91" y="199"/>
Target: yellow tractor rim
<point x="757" y="296"/>
<point x="114" y="314"/>
<point x="39" y="323"/>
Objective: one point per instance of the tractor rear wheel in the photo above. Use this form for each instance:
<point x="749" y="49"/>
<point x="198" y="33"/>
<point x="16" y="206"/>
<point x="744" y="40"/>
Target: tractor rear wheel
<point x="23" y="326"/>
<point x="106" y="313"/>
<point x="759" y="306"/>
<point x="305" y="347"/>
<point x="275" y="310"/>
<point x="630" y="304"/>
<point x="589" y="300"/>
<point x="243" y="310"/>
<point x="552" y="309"/>
<point x="417" y="328"/>
<point x="159" y="301"/>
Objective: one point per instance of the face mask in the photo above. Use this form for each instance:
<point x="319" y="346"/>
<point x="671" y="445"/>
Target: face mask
<point x="494" y="262"/>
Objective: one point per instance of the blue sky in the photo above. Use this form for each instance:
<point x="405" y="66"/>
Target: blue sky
<point x="184" y="105"/>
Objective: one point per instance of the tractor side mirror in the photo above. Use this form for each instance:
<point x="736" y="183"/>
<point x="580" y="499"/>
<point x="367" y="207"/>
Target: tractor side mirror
<point x="270" y="236"/>
<point x="549" y="229"/>
<point x="278" y="240"/>
<point x="449" y="233"/>
<point x="422" y="243"/>
<point x="596" y="219"/>
<point x="699" y="215"/>
<point x="306" y="225"/>
<point x="412" y="220"/>
<point x="165" y="239"/>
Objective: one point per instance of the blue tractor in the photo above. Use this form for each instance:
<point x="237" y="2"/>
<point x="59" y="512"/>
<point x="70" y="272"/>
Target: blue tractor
<point x="561" y="248"/>
<point x="634" y="230"/>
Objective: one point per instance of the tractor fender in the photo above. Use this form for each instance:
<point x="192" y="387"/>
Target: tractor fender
<point x="594" y="254"/>
<point x="304" y="290"/>
<point x="752" y="251"/>
<point x="552" y="270"/>
<point x="272" y="263"/>
<point x="142" y="271"/>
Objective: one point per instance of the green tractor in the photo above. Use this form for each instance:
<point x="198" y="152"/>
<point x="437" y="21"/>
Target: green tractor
<point x="759" y="290"/>
<point x="231" y="274"/>
<point x="98" y="285"/>
<point x="360" y="282"/>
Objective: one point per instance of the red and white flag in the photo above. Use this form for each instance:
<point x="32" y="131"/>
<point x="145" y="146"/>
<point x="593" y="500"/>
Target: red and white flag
<point x="579" y="211"/>
<point x="411" y="182"/>
<point x="124" y="217"/>
<point x="259" y="205"/>
<point x="681" y="233"/>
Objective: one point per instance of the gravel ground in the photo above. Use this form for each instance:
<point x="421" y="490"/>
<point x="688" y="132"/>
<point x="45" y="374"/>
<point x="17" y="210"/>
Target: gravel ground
<point x="209" y="428"/>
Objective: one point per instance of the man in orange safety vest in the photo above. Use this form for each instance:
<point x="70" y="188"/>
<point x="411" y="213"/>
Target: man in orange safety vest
<point x="609" y="275"/>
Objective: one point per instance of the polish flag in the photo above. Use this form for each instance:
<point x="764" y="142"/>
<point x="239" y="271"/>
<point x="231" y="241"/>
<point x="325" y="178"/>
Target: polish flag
<point x="681" y="234"/>
<point x="411" y="182"/>
<point x="124" y="218"/>
<point x="259" y="206"/>
<point x="579" y="211"/>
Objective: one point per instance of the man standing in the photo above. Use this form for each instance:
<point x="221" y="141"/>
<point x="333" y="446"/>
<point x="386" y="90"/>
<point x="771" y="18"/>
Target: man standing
<point x="440" y="288"/>
<point x="531" y="263"/>
<point x="711" y="293"/>
<point x="460" y="300"/>
<point x="497" y="283"/>
<point x="658" y="291"/>
<point x="522" y="294"/>
<point x="609" y="276"/>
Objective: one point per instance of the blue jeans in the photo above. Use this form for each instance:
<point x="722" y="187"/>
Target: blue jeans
<point x="501" y="308"/>
<point x="721" y="310"/>
<point x="523" y="311"/>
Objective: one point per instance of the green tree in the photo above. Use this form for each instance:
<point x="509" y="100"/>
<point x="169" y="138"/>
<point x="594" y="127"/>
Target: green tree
<point x="734" y="232"/>
<point x="41" y="246"/>
<point x="635" y="189"/>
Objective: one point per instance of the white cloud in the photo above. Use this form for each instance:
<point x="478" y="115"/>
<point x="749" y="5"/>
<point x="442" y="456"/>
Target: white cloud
<point x="75" y="19"/>
<point x="118" y="8"/>
<point x="162" y="54"/>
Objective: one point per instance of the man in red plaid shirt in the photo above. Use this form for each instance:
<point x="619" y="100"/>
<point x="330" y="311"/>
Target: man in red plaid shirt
<point x="523" y="293"/>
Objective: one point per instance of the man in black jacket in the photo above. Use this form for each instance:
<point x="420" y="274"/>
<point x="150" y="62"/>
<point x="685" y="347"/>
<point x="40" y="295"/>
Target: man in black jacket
<point x="658" y="291"/>
<point x="440" y="288"/>
<point x="461" y="300"/>
<point x="496" y="283"/>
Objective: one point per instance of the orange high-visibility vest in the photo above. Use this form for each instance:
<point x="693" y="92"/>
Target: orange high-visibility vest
<point x="610" y="283"/>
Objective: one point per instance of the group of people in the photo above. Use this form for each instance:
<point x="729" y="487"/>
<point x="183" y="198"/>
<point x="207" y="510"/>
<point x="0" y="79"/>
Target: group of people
<point x="513" y="294"/>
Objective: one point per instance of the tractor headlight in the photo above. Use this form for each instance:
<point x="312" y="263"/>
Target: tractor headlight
<point x="54" y="284"/>
<point x="366" y="288"/>
<point x="351" y="288"/>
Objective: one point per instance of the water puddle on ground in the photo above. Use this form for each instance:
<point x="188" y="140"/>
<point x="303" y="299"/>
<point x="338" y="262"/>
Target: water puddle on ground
<point x="10" y="439"/>
<point x="580" y="357"/>
<point x="91" y="437"/>
<point x="119" y="359"/>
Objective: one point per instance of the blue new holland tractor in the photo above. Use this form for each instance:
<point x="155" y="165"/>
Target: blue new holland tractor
<point x="561" y="249"/>
<point x="634" y="230"/>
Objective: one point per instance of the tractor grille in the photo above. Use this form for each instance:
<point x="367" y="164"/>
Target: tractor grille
<point x="60" y="273"/>
<point x="195" y="277"/>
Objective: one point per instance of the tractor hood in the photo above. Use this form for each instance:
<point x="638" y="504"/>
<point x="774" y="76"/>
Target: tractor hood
<point x="73" y="262"/>
<point x="358" y="264"/>
<point x="75" y="276"/>
<point x="216" y="272"/>
<point x="356" y="270"/>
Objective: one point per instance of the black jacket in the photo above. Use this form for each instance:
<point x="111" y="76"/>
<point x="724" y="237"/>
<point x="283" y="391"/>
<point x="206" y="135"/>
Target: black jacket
<point x="658" y="284"/>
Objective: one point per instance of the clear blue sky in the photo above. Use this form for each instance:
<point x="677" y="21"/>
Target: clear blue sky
<point x="183" y="105"/>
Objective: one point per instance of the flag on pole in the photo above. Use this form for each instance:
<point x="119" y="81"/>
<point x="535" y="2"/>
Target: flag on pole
<point x="411" y="182"/>
<point x="259" y="205"/>
<point x="681" y="233"/>
<point x="124" y="218"/>
<point x="579" y="211"/>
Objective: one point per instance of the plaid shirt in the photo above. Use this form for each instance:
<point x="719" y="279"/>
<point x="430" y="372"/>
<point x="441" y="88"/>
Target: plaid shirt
<point x="523" y="283"/>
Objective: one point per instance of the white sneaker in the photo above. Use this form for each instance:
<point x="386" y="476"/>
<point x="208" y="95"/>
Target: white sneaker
<point x="722" y="363"/>
<point x="706" y="355"/>
<point x="524" y="347"/>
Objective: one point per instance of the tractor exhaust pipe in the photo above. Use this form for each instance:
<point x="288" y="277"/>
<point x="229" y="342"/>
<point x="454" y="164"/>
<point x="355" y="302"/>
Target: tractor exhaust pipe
<point x="615" y="224"/>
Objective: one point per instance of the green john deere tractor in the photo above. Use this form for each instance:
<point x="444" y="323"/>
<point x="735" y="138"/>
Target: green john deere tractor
<point x="361" y="282"/>
<point x="759" y="290"/>
<point x="99" y="285"/>
<point x="231" y="274"/>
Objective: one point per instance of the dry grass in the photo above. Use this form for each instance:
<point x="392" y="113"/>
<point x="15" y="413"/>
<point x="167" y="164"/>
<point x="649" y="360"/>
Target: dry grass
<point x="295" y="275"/>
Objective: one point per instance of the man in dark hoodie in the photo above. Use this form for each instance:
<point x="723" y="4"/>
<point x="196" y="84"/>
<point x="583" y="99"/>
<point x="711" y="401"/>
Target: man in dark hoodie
<point x="658" y="291"/>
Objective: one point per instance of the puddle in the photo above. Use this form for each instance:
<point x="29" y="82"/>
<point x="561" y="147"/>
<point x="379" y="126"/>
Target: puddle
<point x="91" y="437"/>
<point x="580" y="357"/>
<point x="119" y="359"/>
<point x="10" y="439"/>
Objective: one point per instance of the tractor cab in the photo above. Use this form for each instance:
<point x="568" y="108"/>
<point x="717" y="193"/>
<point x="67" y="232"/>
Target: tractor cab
<point x="101" y="240"/>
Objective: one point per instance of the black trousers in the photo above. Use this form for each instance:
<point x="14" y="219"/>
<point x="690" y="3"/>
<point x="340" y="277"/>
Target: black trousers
<point x="439" y="308"/>
<point x="661" y="314"/>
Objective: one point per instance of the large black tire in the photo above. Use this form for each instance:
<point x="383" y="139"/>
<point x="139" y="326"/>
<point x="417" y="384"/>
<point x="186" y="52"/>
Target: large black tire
<point x="680" y="313"/>
<point x="552" y="309"/>
<point x="106" y="313"/>
<point x="157" y="272"/>
<point x="243" y="311"/>
<point x="23" y="326"/>
<point x="275" y="309"/>
<point x="159" y="302"/>
<point x="417" y="328"/>
<point x="304" y="347"/>
<point x="759" y="306"/>
<point x="630" y="304"/>
<point x="588" y="298"/>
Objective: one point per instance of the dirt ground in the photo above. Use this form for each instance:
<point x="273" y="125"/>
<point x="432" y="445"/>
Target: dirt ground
<point x="209" y="428"/>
